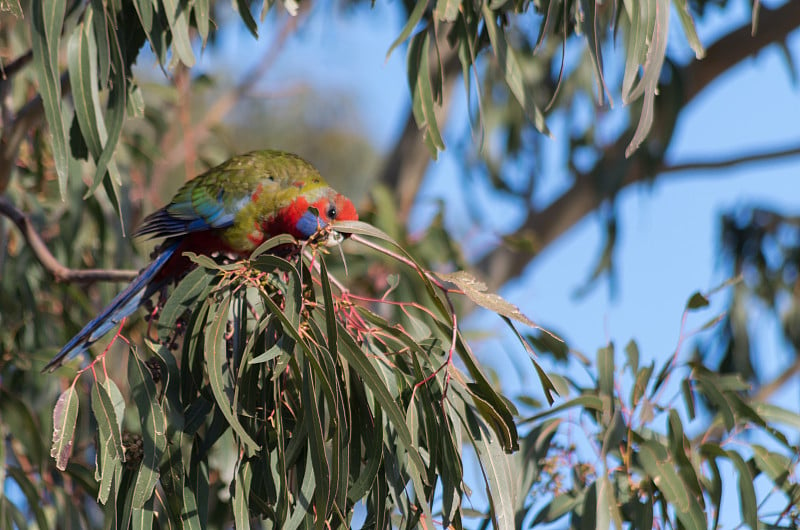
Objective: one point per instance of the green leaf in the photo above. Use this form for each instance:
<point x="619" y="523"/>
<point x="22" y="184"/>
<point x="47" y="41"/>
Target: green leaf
<point x="586" y="401"/>
<point x="714" y="488"/>
<point x="172" y="476"/>
<point x="19" y="419"/>
<point x="589" y="26"/>
<point x="507" y="60"/>
<point x="697" y="301"/>
<point x="154" y="429"/>
<point x="107" y="422"/>
<point x="142" y="518"/>
<point x="632" y="356"/>
<point x="373" y="453"/>
<point x="775" y="465"/>
<point x="607" y="509"/>
<point x="747" y="492"/>
<point x="2" y="459"/>
<point x="202" y="16"/>
<point x="422" y="94"/>
<point x="447" y="10"/>
<point x="413" y="19"/>
<point x="243" y="7"/>
<point x="219" y="374"/>
<point x="501" y="473"/>
<point x="641" y="383"/>
<point x="548" y="342"/>
<point x="642" y="23"/>
<point x="648" y="84"/>
<point x="195" y="496"/>
<point x="498" y="418"/>
<point x="144" y="10"/>
<point x="303" y="505"/>
<point x="117" y="107"/>
<point x="708" y="387"/>
<point x="688" y="398"/>
<point x="195" y="286"/>
<point x="557" y="508"/>
<point x="178" y="19"/>
<point x="65" y="415"/>
<point x="358" y="360"/>
<point x="82" y="62"/>
<point x="605" y="371"/>
<point x="661" y="468"/>
<point x="241" y="494"/>
<point x="775" y="414"/>
<point x="316" y="442"/>
<point x="47" y="19"/>
<point x="689" y="29"/>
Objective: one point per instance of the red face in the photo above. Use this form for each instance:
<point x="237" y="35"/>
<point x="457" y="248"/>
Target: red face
<point x="335" y="208"/>
<point x="300" y="220"/>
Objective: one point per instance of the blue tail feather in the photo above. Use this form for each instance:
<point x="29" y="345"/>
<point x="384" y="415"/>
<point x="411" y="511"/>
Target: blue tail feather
<point x="123" y="305"/>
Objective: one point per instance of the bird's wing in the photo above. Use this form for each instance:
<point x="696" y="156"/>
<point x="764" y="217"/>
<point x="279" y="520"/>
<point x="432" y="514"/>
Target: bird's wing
<point x="203" y="204"/>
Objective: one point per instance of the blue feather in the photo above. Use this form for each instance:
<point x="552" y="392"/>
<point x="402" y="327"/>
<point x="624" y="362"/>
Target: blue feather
<point x="123" y="305"/>
<point x="309" y="223"/>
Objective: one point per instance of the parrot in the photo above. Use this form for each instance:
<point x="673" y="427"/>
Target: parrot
<point x="230" y="209"/>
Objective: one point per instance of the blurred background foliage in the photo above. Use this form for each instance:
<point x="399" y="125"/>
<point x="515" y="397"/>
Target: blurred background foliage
<point x="104" y="114"/>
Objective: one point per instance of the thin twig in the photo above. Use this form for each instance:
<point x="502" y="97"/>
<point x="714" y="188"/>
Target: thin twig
<point x="49" y="262"/>
<point x="722" y="163"/>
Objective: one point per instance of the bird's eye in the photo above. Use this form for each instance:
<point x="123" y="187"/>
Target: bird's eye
<point x="331" y="213"/>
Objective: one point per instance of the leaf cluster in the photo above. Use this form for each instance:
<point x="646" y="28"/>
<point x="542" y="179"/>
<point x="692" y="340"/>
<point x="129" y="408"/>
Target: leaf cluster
<point x="310" y="400"/>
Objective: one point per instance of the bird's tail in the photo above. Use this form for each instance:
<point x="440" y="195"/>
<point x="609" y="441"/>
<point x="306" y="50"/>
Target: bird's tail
<point x="123" y="305"/>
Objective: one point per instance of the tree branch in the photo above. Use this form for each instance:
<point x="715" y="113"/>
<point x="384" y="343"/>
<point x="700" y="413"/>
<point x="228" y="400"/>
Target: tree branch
<point x="613" y="171"/>
<point x="731" y="162"/>
<point x="49" y="262"/>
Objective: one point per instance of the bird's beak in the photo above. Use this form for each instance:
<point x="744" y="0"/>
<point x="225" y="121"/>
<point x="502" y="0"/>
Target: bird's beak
<point x="334" y="238"/>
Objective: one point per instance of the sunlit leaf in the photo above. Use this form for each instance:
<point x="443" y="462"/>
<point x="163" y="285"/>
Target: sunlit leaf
<point x="65" y="415"/>
<point x="178" y="19"/>
<point x="689" y="28"/>
<point x="500" y="470"/>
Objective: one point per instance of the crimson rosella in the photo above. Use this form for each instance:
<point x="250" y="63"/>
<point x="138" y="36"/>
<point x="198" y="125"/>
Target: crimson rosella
<point x="229" y="209"/>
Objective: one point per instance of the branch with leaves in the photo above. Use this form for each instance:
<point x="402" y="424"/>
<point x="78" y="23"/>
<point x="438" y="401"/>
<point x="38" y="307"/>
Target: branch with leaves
<point x="312" y="383"/>
<point x="614" y="171"/>
<point x="60" y="272"/>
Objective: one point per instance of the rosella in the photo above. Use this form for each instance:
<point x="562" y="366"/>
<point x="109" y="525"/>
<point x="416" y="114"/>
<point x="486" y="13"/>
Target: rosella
<point x="230" y="209"/>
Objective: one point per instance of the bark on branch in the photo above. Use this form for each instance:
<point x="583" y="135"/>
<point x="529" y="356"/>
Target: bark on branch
<point x="46" y="258"/>
<point x="584" y="196"/>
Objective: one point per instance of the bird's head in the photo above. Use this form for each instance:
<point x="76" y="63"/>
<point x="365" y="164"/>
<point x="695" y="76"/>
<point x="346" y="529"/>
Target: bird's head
<point x="307" y="219"/>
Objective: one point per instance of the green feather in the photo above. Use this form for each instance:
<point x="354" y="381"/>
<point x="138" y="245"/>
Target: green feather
<point x="236" y="195"/>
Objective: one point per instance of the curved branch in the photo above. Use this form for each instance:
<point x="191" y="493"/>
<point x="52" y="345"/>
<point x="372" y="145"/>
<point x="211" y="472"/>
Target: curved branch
<point x="49" y="262"/>
<point x="587" y="192"/>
